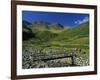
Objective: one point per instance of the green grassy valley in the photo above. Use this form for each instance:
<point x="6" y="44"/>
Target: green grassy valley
<point x="77" y="36"/>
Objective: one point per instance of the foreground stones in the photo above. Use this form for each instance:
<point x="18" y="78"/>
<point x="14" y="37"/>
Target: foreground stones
<point x="42" y="58"/>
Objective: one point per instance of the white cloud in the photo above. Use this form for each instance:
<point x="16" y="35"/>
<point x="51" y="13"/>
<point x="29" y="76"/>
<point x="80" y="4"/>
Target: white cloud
<point x="76" y="22"/>
<point x="82" y="21"/>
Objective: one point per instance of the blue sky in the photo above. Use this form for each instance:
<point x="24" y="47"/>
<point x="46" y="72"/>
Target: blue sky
<point x="66" y="19"/>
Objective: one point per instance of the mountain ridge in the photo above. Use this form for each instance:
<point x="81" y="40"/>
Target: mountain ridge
<point x="57" y="35"/>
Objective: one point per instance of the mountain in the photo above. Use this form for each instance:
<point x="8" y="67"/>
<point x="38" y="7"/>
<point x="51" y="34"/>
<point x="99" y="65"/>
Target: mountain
<point x="78" y="35"/>
<point x="82" y="29"/>
<point x="27" y="32"/>
<point x="55" y="34"/>
<point x="42" y="26"/>
<point x="39" y="26"/>
<point x="41" y="23"/>
<point x="25" y="23"/>
<point x="56" y="26"/>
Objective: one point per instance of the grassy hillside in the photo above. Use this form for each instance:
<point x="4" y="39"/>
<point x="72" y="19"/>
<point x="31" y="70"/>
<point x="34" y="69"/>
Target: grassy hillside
<point x="57" y="35"/>
<point x="76" y="36"/>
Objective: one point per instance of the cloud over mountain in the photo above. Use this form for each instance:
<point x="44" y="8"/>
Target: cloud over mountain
<point x="85" y="19"/>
